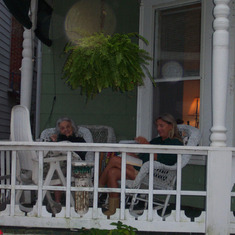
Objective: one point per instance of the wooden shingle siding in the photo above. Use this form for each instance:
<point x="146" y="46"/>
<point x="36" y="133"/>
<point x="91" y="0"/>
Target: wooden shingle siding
<point x="5" y="49"/>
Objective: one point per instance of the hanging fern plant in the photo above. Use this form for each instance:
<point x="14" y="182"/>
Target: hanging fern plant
<point x="102" y="61"/>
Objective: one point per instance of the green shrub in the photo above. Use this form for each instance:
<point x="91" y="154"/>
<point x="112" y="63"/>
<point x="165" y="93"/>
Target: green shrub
<point x="121" y="229"/>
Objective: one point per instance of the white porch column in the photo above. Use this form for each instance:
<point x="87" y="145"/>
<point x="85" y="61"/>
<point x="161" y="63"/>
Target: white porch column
<point x="218" y="200"/>
<point x="27" y="61"/>
<point x="27" y="69"/>
<point x="220" y="71"/>
<point x="145" y="92"/>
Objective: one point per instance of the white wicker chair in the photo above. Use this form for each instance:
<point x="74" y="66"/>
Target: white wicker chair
<point x="81" y="132"/>
<point x="90" y="133"/>
<point x="101" y="133"/>
<point x="164" y="175"/>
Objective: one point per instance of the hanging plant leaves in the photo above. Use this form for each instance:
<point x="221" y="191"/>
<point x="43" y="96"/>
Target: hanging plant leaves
<point x="102" y="61"/>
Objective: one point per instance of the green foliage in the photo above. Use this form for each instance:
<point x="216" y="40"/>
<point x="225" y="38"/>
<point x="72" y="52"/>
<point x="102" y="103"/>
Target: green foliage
<point x="121" y="229"/>
<point x="99" y="61"/>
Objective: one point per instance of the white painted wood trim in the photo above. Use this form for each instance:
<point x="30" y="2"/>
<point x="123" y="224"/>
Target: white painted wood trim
<point x="220" y="72"/>
<point x="27" y="61"/>
<point x="145" y="92"/>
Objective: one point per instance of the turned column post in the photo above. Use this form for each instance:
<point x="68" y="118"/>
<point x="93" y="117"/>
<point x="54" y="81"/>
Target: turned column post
<point x="27" y="61"/>
<point x="220" y="71"/>
<point x="26" y="70"/>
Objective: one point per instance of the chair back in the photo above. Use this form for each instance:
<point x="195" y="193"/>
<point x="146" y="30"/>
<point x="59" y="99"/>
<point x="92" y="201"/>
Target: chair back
<point x="21" y="131"/>
<point x="191" y="137"/>
<point x="90" y="133"/>
<point x="101" y="133"/>
<point x="81" y="132"/>
<point x="45" y="134"/>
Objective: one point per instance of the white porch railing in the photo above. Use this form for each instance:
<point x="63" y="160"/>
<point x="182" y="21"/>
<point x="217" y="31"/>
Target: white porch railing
<point x="216" y="219"/>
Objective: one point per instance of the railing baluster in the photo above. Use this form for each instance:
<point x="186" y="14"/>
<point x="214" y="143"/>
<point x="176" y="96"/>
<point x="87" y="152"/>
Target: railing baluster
<point x="40" y="183"/>
<point x="13" y="183"/>
<point x="96" y="183"/>
<point x="178" y="187"/>
<point x="3" y="173"/>
<point x="68" y="184"/>
<point x="8" y="171"/>
<point x="150" y="192"/>
<point x="123" y="186"/>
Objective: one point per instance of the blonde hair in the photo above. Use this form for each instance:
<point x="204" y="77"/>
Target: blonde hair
<point x="174" y="132"/>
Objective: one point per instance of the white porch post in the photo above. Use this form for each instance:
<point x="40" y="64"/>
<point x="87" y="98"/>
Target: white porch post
<point x="27" y="61"/>
<point x="220" y="71"/>
<point x="218" y="198"/>
<point x="26" y="70"/>
<point x="219" y="161"/>
<point x="145" y="92"/>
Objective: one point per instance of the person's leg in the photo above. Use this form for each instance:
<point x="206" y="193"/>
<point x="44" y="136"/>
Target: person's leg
<point x="113" y="162"/>
<point x="104" y="177"/>
<point x="58" y="195"/>
<point x="113" y="176"/>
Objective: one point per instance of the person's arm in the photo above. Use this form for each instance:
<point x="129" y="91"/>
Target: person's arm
<point x="139" y="140"/>
<point x="53" y="138"/>
<point x="155" y="156"/>
<point x="133" y="155"/>
<point x="143" y="140"/>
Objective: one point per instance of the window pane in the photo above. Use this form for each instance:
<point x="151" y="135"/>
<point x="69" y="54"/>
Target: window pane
<point x="177" y="98"/>
<point x="177" y="42"/>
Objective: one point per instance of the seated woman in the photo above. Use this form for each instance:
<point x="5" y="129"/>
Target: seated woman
<point x="65" y="131"/>
<point x="168" y="135"/>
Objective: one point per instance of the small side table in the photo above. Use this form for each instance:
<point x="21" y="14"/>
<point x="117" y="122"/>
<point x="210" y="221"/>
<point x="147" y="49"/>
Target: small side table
<point x="82" y="175"/>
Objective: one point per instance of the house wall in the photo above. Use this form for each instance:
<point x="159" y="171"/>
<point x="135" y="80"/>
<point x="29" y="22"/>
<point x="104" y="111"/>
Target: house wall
<point x="57" y="99"/>
<point x="5" y="47"/>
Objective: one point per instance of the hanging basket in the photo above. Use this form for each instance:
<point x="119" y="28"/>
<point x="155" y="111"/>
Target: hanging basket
<point x="99" y="61"/>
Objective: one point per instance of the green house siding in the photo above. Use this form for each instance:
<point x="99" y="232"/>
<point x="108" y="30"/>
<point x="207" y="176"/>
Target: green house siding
<point x="194" y="178"/>
<point x="114" y="109"/>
